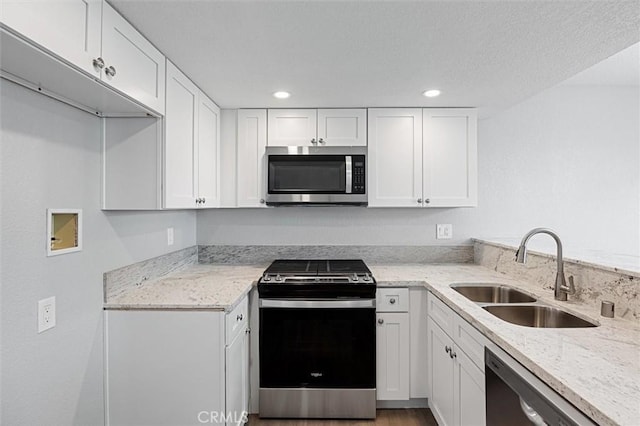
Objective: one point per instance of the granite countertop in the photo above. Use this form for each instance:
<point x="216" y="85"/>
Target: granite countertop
<point x="215" y="287"/>
<point x="596" y="369"/>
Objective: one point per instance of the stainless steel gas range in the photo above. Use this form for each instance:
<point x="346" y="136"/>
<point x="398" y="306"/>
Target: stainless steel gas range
<point x="317" y="339"/>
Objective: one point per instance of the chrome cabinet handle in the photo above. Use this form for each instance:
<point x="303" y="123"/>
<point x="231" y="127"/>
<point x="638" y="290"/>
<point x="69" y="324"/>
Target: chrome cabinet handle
<point x="239" y="317"/>
<point x="247" y="331"/>
<point x="380" y="321"/>
<point x="204" y="200"/>
<point x="314" y="141"/>
<point x="447" y="349"/>
<point x="453" y="355"/>
<point x="321" y="141"/>
<point x="392" y="301"/>
<point x="427" y="201"/>
<point x="98" y="62"/>
<point x="419" y="200"/>
<point x="110" y="71"/>
<point x="261" y="200"/>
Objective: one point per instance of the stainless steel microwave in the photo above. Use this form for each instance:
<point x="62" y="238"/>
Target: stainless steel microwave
<point x="316" y="175"/>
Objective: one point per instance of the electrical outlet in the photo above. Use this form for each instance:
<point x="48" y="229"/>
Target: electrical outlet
<point x="169" y="236"/>
<point x="444" y="231"/>
<point x="46" y="314"/>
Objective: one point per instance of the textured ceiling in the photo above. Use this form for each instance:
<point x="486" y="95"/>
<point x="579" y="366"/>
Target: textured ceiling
<point x="486" y="54"/>
<point x="621" y="69"/>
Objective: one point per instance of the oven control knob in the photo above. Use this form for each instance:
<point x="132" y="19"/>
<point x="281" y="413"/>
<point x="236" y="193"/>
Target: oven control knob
<point x="366" y="277"/>
<point x="278" y="277"/>
<point x="354" y="277"/>
<point x="266" y="277"/>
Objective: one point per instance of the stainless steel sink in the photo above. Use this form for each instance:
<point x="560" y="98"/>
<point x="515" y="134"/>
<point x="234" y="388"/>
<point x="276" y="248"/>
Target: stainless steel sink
<point x="538" y="316"/>
<point x="492" y="293"/>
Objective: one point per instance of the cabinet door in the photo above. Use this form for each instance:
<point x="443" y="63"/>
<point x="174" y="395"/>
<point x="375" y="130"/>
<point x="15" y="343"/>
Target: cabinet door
<point x="291" y="127"/>
<point x="392" y="340"/>
<point x="450" y="157"/>
<point x="441" y="371"/>
<point x="163" y="368"/>
<point x="138" y="67"/>
<point x="208" y="155"/>
<point x="395" y="157"/>
<point x="469" y="392"/>
<point x="237" y="380"/>
<point x="252" y="141"/>
<point x="342" y="127"/>
<point x="180" y="140"/>
<point x="71" y="29"/>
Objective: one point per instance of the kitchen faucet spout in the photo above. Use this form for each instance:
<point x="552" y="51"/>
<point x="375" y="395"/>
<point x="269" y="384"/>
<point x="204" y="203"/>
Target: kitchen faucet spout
<point x="560" y="289"/>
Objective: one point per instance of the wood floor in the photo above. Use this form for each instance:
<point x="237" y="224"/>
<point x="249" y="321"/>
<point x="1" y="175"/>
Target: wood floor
<point x="399" y="417"/>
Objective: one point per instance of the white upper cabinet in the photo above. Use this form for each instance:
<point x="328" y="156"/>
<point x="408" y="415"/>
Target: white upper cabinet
<point x="208" y="156"/>
<point x="70" y="29"/>
<point x="252" y="141"/>
<point x="191" y="149"/>
<point x="92" y="37"/>
<point x="292" y="127"/>
<point x="131" y="63"/>
<point x="450" y="157"/>
<point x="422" y="158"/>
<point x="395" y="157"/>
<point x="342" y="127"/>
<point x="317" y="127"/>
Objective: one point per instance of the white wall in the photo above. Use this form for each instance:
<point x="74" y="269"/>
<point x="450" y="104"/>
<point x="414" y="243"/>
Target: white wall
<point x="567" y="158"/>
<point x="50" y="157"/>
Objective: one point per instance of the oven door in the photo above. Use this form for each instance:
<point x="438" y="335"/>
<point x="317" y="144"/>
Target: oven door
<point x="317" y="344"/>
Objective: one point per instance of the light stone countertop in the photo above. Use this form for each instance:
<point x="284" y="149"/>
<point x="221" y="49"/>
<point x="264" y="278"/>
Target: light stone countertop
<point x="214" y="287"/>
<point x="597" y="369"/>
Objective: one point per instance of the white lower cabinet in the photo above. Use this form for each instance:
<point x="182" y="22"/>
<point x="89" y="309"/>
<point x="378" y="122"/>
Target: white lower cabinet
<point x="401" y="352"/>
<point x="457" y="395"/>
<point x="176" y="367"/>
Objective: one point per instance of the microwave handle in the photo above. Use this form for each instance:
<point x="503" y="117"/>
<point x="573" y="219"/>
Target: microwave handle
<point x="349" y="175"/>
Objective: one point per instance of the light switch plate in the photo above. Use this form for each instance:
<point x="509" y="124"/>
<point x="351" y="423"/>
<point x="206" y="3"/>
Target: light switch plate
<point x="444" y="231"/>
<point x="46" y="314"/>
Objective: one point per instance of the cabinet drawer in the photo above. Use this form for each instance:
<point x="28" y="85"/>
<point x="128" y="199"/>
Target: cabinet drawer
<point x="441" y="314"/>
<point x="237" y="320"/>
<point x="469" y="340"/>
<point x="392" y="300"/>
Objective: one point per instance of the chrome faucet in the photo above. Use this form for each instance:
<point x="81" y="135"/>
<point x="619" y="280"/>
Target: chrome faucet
<point x="561" y="289"/>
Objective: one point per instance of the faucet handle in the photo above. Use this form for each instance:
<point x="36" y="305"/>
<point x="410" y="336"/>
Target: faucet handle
<point x="572" y="288"/>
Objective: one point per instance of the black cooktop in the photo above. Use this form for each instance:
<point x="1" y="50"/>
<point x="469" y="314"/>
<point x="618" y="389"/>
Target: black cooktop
<point x="316" y="278"/>
<point x="286" y="267"/>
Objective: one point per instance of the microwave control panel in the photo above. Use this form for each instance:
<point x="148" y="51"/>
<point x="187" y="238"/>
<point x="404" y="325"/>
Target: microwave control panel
<point x="359" y="176"/>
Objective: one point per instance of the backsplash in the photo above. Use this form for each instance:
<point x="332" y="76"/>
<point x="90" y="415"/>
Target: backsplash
<point x="122" y="279"/>
<point x="371" y="254"/>
<point x="593" y="284"/>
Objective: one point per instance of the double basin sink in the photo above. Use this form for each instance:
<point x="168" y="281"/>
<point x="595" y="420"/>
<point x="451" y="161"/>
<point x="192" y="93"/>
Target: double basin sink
<point x="517" y="307"/>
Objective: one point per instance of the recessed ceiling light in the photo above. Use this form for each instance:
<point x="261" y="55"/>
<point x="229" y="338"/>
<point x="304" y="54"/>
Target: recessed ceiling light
<point x="281" y="95"/>
<point x="432" y="93"/>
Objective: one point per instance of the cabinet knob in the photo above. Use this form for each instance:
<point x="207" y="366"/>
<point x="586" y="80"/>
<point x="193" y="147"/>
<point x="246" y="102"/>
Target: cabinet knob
<point x="261" y="200"/>
<point x="98" y="62"/>
<point x="453" y="354"/>
<point x="427" y="201"/>
<point x="111" y="71"/>
<point x="247" y="331"/>
<point x="314" y="141"/>
<point x="380" y="321"/>
<point x="321" y="141"/>
<point x="392" y="301"/>
<point x="239" y="317"/>
<point x="204" y="200"/>
<point x="419" y="200"/>
<point x="447" y="349"/>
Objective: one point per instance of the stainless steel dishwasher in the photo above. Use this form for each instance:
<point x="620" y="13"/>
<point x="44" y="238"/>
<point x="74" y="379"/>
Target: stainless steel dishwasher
<point x="515" y="396"/>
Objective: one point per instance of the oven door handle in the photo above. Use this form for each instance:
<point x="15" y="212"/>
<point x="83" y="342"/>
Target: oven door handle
<point x="318" y="304"/>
